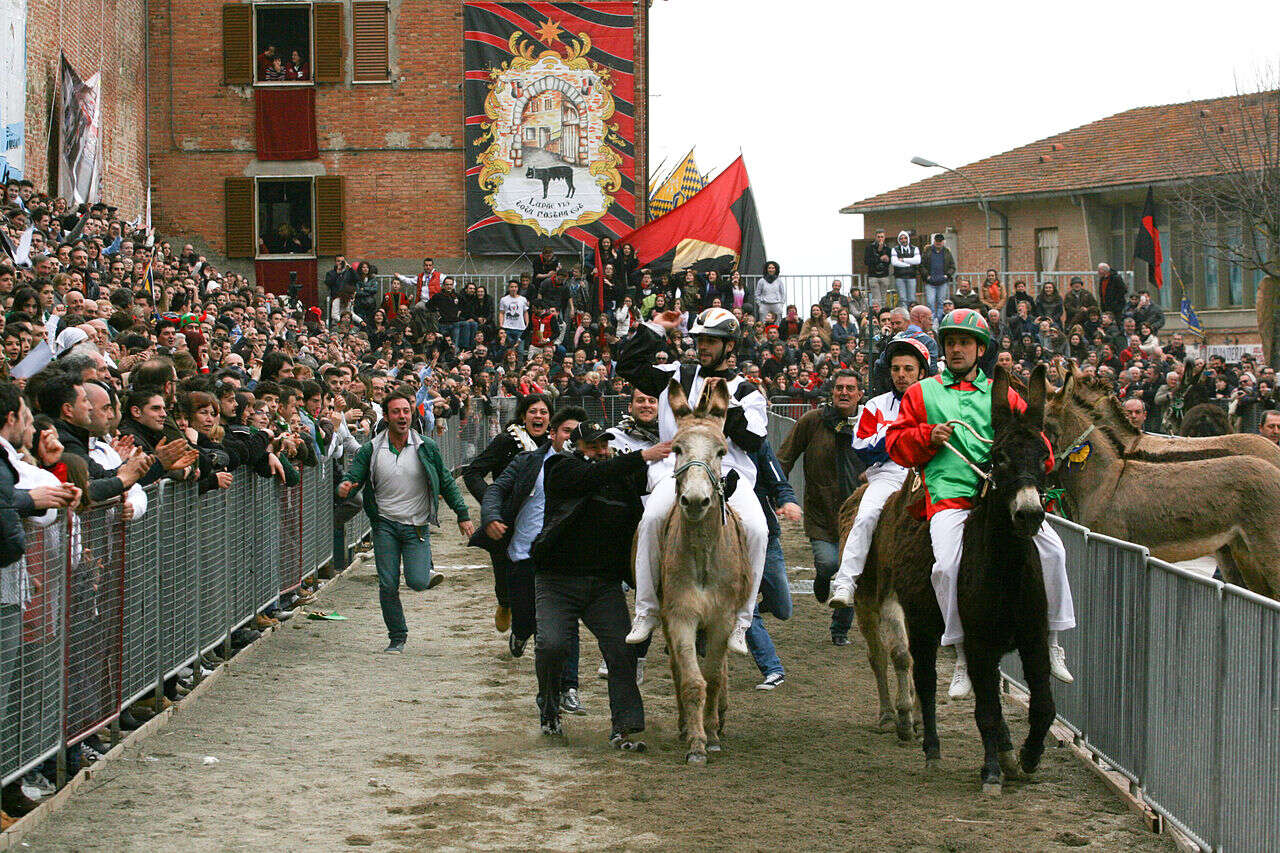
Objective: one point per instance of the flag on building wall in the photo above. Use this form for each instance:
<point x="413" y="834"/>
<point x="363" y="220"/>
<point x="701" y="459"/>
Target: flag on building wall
<point x="549" y="95"/>
<point x="715" y="229"/>
<point x="79" y="134"/>
<point x="1147" y="246"/>
<point x="1189" y="317"/>
<point x="13" y="86"/>
<point x="679" y="187"/>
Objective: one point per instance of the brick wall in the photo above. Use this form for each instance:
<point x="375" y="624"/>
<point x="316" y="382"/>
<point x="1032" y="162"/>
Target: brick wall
<point x="398" y="145"/>
<point x="96" y="36"/>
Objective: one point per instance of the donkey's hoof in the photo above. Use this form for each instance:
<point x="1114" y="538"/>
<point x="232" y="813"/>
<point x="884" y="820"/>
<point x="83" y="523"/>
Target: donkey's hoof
<point x="992" y="789"/>
<point x="1028" y="762"/>
<point x="713" y="747"/>
<point x="696" y="758"/>
<point x="1009" y="764"/>
<point x="905" y="726"/>
<point x="931" y="764"/>
<point x="887" y="721"/>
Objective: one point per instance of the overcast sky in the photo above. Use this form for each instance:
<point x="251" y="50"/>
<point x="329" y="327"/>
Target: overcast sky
<point x="828" y="101"/>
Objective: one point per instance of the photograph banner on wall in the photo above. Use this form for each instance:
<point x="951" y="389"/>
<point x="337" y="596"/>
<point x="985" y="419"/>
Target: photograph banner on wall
<point x="550" y="125"/>
<point x="13" y="86"/>
<point x="79" y="135"/>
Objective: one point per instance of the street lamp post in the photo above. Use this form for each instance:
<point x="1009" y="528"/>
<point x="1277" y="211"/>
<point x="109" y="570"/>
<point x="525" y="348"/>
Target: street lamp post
<point x="983" y="205"/>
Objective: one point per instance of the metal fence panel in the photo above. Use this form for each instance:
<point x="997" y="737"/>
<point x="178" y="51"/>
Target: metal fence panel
<point x="141" y="665"/>
<point x="1070" y="698"/>
<point x="1249" y="722"/>
<point x="779" y="428"/>
<point x="266" y="502"/>
<point x="324" y="522"/>
<point x="1182" y="687"/>
<point x="242" y="545"/>
<point x="214" y="569"/>
<point x="32" y="592"/>
<point x="290" y="564"/>
<point x="179" y="589"/>
<point x="94" y="619"/>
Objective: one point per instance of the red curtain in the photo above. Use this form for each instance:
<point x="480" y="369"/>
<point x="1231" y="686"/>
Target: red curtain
<point x="273" y="275"/>
<point x="286" y="123"/>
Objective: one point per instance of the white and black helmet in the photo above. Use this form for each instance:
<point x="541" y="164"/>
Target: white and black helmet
<point x="717" y="323"/>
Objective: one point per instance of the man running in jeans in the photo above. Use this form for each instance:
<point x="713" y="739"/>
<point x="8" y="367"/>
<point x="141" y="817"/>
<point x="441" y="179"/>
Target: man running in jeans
<point x="402" y="502"/>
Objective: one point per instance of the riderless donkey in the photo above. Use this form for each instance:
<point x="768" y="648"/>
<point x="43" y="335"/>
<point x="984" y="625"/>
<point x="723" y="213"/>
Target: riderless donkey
<point x="1001" y="593"/>
<point x="704" y="571"/>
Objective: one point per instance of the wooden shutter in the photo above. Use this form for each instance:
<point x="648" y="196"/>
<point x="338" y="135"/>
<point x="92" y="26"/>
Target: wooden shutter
<point x="369" y="40"/>
<point x="238" y="211"/>
<point x="326" y="29"/>
<point x="330" y="216"/>
<point x="237" y="44"/>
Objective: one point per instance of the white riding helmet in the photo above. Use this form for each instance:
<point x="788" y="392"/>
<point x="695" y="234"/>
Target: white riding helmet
<point x="717" y="323"/>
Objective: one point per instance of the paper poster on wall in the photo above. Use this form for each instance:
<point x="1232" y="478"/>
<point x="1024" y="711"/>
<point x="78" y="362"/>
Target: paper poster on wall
<point x="550" y="124"/>
<point x="13" y="86"/>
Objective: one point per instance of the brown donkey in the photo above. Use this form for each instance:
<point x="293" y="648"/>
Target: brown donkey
<point x="704" y="574"/>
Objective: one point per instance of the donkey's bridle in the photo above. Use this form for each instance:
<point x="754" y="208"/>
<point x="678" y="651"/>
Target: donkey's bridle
<point x="716" y="483"/>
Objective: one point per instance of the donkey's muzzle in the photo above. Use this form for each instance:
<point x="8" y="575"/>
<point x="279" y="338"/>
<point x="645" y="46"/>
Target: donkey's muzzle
<point x="1026" y="509"/>
<point x="695" y="505"/>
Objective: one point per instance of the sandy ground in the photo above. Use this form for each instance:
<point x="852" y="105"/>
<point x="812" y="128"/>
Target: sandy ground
<point x="323" y="743"/>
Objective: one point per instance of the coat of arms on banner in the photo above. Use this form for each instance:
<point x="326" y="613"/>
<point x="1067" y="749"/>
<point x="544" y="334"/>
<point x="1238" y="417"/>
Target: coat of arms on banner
<point x="550" y="163"/>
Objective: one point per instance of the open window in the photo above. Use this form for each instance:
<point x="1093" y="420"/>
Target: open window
<point x="286" y="220"/>
<point x="282" y="43"/>
<point x="287" y="217"/>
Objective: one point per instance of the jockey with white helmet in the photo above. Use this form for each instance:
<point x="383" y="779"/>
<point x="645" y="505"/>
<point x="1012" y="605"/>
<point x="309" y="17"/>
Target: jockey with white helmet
<point x="716" y="333"/>
<point x="908" y="362"/>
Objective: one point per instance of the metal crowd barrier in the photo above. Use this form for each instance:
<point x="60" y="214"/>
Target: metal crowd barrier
<point x="100" y="611"/>
<point x="1177" y="688"/>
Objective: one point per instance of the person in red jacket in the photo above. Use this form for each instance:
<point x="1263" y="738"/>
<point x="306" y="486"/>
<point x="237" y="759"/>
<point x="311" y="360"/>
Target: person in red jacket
<point x="962" y="392"/>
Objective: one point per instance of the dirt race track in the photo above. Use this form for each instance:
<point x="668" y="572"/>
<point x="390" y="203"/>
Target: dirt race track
<point x="323" y="743"/>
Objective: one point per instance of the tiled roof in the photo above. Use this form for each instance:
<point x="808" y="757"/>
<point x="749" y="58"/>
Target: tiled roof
<point x="1141" y="145"/>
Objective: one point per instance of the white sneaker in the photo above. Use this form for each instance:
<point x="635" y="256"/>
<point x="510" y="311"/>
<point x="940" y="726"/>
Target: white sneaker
<point x="841" y="595"/>
<point x="771" y="681"/>
<point x="642" y="628"/>
<point x="961" y="686"/>
<point x="639" y="671"/>
<point x="738" y="641"/>
<point x="602" y="671"/>
<point x="1058" y="664"/>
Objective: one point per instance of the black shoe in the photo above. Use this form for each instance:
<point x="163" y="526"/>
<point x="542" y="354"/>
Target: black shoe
<point x="626" y="742"/>
<point x="821" y="588"/>
<point x="839" y="640"/>
<point x="395" y="647"/>
<point x="15" y="803"/>
<point x="436" y="580"/>
<point x="516" y="645"/>
<point x="549" y="716"/>
<point x="128" y="723"/>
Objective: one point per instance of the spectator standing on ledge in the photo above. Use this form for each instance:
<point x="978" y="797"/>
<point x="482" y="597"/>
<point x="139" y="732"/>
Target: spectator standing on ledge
<point x="403" y="500"/>
<point x="771" y="293"/>
<point x="938" y="267"/>
<point x="906" y="267"/>
<point x="1112" y="291"/>
<point x="879" y="271"/>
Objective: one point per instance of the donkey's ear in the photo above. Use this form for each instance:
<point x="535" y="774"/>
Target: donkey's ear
<point x="1036" y="393"/>
<point x="715" y="400"/>
<point x="677" y="400"/>
<point x="1000" y="392"/>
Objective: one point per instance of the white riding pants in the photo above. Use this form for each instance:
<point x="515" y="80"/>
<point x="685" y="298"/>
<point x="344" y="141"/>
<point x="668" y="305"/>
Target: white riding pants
<point x="649" y="544"/>
<point x="856" y="548"/>
<point x="946" y="530"/>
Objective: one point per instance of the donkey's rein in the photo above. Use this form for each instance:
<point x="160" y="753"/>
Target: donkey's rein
<point x="982" y="475"/>
<point x="715" y="481"/>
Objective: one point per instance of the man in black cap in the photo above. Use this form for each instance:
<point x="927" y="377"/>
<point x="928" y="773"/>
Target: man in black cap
<point x="583" y="551"/>
<point x="1077" y="301"/>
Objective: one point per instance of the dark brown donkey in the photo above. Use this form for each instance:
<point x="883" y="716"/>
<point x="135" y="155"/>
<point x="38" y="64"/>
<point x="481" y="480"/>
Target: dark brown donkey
<point x="1001" y="595"/>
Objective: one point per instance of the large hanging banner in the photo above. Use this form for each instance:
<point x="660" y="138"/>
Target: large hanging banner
<point x="79" y="134"/>
<point x="550" y="102"/>
<point x="13" y="85"/>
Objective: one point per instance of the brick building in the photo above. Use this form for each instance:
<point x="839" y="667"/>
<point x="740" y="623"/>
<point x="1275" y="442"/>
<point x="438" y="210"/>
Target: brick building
<point x="95" y="39"/>
<point x="1074" y="200"/>
<point x="373" y="137"/>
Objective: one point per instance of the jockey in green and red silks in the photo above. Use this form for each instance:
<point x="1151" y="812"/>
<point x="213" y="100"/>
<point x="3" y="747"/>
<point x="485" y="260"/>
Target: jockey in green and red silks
<point x="962" y="393"/>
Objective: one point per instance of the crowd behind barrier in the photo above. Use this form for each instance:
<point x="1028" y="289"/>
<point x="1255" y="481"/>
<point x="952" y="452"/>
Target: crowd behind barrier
<point x="113" y="610"/>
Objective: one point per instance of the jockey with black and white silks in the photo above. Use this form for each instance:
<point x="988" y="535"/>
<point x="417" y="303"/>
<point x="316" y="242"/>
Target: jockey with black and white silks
<point x="745" y="429"/>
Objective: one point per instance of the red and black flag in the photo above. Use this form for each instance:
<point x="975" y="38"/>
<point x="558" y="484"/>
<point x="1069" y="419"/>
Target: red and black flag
<point x="717" y="228"/>
<point x="1147" y="246"/>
